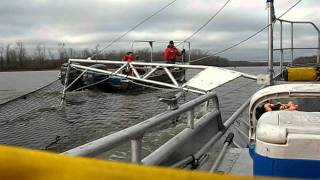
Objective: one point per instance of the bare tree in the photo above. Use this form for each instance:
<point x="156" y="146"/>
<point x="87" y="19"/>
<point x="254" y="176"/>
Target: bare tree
<point x="11" y="57"/>
<point x="96" y="52"/>
<point x="21" y="51"/>
<point x="1" y="58"/>
<point x="70" y="53"/>
<point x="86" y="53"/>
<point x="40" y="54"/>
<point x="7" y="55"/>
<point x="62" y="52"/>
<point x="51" y="55"/>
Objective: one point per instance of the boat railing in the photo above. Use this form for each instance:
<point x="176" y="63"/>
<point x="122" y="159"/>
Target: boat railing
<point x="292" y="48"/>
<point x="152" y="42"/>
<point x="74" y="63"/>
<point x="136" y="133"/>
<point x="194" y="160"/>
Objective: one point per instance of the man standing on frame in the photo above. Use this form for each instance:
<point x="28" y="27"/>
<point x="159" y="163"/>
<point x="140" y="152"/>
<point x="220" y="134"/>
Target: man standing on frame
<point x="171" y="53"/>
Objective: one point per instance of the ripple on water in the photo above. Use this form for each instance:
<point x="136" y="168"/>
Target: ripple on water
<point x="91" y="115"/>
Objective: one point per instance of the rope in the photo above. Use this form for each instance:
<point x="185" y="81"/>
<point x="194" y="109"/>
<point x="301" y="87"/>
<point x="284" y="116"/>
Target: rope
<point x="133" y="28"/>
<point x="206" y="23"/>
<point x="246" y="39"/>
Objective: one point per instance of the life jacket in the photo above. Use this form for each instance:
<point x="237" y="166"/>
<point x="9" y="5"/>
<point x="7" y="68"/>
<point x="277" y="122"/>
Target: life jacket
<point x="171" y="53"/>
<point x="128" y="58"/>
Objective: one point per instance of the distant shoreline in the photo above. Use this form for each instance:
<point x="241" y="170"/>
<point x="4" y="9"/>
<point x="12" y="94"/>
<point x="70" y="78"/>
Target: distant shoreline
<point x="213" y="61"/>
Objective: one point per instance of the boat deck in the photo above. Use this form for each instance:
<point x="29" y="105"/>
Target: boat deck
<point x="236" y="161"/>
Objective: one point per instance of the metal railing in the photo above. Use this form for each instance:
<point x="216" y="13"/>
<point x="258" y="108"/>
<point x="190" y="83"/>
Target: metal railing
<point x="151" y="44"/>
<point x="136" y="133"/>
<point x="194" y="160"/>
<point x="292" y="48"/>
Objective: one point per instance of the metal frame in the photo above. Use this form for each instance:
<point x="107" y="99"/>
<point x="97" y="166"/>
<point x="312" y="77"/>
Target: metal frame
<point x="137" y="77"/>
<point x="270" y="8"/>
<point x="65" y="85"/>
<point x="153" y="67"/>
<point x="200" y="155"/>
<point x="153" y="41"/>
<point x="117" y="72"/>
<point x="270" y="40"/>
<point x="135" y="133"/>
<point x="292" y="48"/>
<point x="223" y="151"/>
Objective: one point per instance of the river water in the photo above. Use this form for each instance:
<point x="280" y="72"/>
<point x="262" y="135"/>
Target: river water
<point x="34" y="121"/>
<point x="14" y="84"/>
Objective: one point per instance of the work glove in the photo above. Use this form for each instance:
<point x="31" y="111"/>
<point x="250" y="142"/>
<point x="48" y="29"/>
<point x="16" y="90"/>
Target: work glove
<point x="183" y="51"/>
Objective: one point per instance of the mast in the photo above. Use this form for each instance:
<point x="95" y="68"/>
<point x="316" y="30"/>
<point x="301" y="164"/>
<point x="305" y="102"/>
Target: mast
<point x="270" y="40"/>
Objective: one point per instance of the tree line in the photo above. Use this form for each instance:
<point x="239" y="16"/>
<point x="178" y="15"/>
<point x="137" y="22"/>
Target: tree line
<point x="20" y="57"/>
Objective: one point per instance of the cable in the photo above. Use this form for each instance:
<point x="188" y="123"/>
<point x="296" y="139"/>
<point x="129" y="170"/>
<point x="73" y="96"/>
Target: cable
<point x="289" y="9"/>
<point x="133" y="28"/>
<point x="205" y="24"/>
<point x="230" y="47"/>
<point x="253" y="35"/>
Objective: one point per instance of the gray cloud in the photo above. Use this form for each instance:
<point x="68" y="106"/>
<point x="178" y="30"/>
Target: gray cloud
<point x="84" y="23"/>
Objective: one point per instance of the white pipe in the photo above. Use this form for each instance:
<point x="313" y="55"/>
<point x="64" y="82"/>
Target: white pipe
<point x="136" y="150"/>
<point x="270" y="41"/>
<point x="149" y="73"/>
<point x="139" y="63"/>
<point x="171" y="77"/>
<point x="137" y="79"/>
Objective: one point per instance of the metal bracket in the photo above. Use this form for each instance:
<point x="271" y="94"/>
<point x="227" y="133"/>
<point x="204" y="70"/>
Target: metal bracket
<point x="194" y="162"/>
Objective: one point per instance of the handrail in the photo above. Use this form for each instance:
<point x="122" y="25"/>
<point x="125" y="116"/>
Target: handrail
<point x="154" y="41"/>
<point x="281" y="49"/>
<point x="135" y="133"/>
<point x="195" y="158"/>
<point x="138" y="63"/>
<point x="223" y="151"/>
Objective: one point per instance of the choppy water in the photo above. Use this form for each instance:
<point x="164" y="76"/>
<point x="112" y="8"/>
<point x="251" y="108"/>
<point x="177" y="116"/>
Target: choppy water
<point x="14" y="84"/>
<point x="34" y="122"/>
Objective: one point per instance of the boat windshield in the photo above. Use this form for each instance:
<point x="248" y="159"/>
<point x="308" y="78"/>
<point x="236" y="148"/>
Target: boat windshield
<point x="289" y="104"/>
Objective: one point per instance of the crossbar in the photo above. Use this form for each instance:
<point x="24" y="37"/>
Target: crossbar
<point x="137" y="78"/>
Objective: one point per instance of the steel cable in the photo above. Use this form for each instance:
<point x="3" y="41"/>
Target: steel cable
<point x="133" y="28"/>
<point x="206" y="23"/>
<point x="246" y="39"/>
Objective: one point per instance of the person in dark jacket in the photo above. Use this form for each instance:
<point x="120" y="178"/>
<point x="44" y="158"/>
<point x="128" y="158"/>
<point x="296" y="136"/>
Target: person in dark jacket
<point x="171" y="53"/>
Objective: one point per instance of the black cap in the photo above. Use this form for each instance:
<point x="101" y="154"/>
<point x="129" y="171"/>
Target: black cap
<point x="171" y="42"/>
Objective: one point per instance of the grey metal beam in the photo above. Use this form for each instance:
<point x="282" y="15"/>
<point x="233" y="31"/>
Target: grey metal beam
<point x="106" y="143"/>
<point x="162" y="153"/>
<point x="136" y="150"/>
<point x="270" y="41"/>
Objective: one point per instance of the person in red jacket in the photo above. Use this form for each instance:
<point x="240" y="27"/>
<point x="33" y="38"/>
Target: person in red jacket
<point x="128" y="57"/>
<point x="171" y="53"/>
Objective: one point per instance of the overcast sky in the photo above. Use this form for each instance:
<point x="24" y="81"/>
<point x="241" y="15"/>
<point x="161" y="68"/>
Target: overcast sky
<point x="85" y="23"/>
